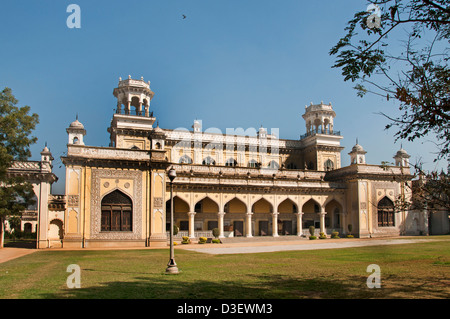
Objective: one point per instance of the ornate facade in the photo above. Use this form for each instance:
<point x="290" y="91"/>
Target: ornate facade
<point x="245" y="183"/>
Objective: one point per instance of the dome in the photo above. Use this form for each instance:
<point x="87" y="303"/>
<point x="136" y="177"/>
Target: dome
<point x="357" y="148"/>
<point x="76" y="124"/>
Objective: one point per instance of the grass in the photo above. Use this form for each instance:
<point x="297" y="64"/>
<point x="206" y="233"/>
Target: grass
<point x="407" y="271"/>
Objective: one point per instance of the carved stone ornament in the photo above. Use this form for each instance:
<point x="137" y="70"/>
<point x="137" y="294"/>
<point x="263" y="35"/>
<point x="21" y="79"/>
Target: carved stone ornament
<point x="136" y="197"/>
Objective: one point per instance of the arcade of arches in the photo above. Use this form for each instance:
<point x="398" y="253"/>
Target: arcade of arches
<point x="261" y="217"/>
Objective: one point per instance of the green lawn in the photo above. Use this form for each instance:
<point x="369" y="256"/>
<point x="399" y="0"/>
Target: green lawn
<point x="407" y="271"/>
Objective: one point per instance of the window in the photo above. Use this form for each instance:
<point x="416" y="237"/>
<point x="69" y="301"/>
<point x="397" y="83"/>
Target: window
<point x="185" y="160"/>
<point x="116" y="212"/>
<point x="273" y="164"/>
<point x="209" y="161"/>
<point x="252" y="163"/>
<point x="231" y="162"/>
<point x="328" y="166"/>
<point x="386" y="215"/>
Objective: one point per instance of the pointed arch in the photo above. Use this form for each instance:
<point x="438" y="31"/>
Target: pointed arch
<point x="262" y="205"/>
<point x="287" y="206"/>
<point x="386" y="212"/>
<point x="235" y="205"/>
<point x="116" y="212"/>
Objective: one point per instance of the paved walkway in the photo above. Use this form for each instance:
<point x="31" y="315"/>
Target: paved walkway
<point x="245" y="247"/>
<point x="254" y="247"/>
<point x="8" y="253"/>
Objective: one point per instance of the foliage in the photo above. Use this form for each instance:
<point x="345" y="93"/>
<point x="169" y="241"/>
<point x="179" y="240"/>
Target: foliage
<point x="418" y="78"/>
<point x="186" y="240"/>
<point x="202" y="240"/>
<point x="16" y="126"/>
<point x="175" y="230"/>
<point x="335" y="235"/>
<point x="312" y="230"/>
<point x="322" y="235"/>
<point x="312" y="237"/>
<point x="216" y="241"/>
<point x="216" y="232"/>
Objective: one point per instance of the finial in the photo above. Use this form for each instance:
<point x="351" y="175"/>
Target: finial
<point x="120" y="78"/>
<point x="142" y="78"/>
<point x="356" y="141"/>
<point x="129" y="77"/>
<point x="45" y="143"/>
<point x="77" y="117"/>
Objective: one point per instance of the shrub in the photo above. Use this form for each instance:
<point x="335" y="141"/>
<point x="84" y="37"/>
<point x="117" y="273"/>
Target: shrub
<point x="186" y="240"/>
<point x="312" y="237"/>
<point x="216" y="241"/>
<point x="312" y="230"/>
<point x="175" y="230"/>
<point x="202" y="240"/>
<point x="322" y="235"/>
<point x="216" y="232"/>
<point x="335" y="234"/>
<point x="350" y="236"/>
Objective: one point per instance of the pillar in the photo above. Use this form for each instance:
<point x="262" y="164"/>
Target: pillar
<point x="275" y="224"/>
<point x="299" y="224"/>
<point x="220" y="215"/>
<point x="191" y="233"/>
<point x="249" y="224"/>
<point x="322" y="221"/>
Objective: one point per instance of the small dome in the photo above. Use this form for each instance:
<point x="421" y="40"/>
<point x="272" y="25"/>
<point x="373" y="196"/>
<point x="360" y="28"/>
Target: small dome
<point x="357" y="148"/>
<point x="76" y="124"/>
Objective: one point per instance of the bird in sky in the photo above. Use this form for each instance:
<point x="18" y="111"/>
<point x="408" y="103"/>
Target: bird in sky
<point x="184" y="17"/>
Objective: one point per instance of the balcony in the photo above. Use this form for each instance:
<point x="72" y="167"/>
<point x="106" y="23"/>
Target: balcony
<point x="325" y="132"/>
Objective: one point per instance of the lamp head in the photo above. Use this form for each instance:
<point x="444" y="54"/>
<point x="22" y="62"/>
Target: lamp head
<point x="172" y="174"/>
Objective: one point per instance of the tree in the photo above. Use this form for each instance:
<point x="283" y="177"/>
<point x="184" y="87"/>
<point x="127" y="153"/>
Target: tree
<point x="417" y="78"/>
<point x="16" y="126"/>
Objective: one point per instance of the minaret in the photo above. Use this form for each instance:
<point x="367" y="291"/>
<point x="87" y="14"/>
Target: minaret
<point x="319" y="118"/>
<point x="46" y="155"/>
<point x="76" y="133"/>
<point x="402" y="158"/>
<point x="358" y="154"/>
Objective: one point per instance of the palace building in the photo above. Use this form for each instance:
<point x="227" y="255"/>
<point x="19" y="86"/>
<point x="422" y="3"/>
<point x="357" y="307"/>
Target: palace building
<point x="245" y="183"/>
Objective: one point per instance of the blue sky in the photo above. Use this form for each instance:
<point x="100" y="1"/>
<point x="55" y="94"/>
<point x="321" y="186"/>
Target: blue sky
<point x="230" y="63"/>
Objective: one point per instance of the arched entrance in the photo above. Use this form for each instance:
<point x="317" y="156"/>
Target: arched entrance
<point x="385" y="212"/>
<point x="286" y="217"/>
<point x="311" y="210"/>
<point x="55" y="233"/>
<point x="117" y="210"/>
<point x="333" y="218"/>
<point x="263" y="217"/>
<point x="235" y="214"/>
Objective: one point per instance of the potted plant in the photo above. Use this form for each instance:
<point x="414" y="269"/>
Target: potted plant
<point x="311" y="231"/>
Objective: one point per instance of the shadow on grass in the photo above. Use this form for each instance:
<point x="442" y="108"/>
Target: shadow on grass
<point x="256" y="287"/>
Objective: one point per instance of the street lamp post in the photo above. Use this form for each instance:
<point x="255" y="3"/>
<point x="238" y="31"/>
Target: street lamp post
<point x="172" y="265"/>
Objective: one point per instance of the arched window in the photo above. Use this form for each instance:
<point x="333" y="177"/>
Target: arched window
<point x="329" y="165"/>
<point x="116" y="212"/>
<point x="185" y="160"/>
<point x="209" y="161"/>
<point x="273" y="164"/>
<point x="231" y="162"/>
<point x="252" y="163"/>
<point x="386" y="215"/>
<point x="76" y="140"/>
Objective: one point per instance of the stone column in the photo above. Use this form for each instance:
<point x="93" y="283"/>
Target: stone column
<point x="249" y="224"/>
<point x="191" y="224"/>
<point x="220" y="215"/>
<point x="299" y="224"/>
<point x="322" y="221"/>
<point x="275" y="224"/>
